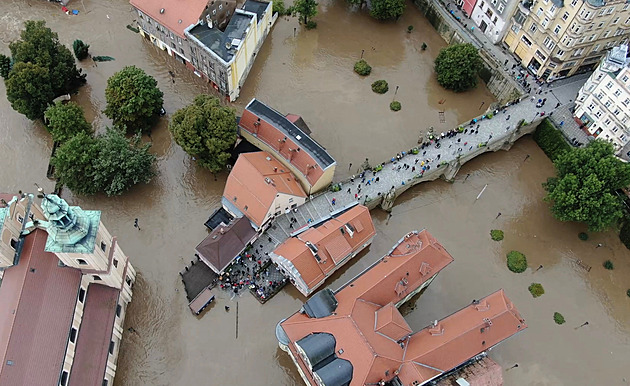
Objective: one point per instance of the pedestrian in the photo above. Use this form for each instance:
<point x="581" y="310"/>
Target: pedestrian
<point x="227" y="308"/>
<point x="498" y="215"/>
<point x="505" y="63"/>
<point x="557" y="104"/>
<point x="135" y="224"/>
<point x="349" y="190"/>
<point x="349" y="166"/>
<point x="508" y="117"/>
<point x="561" y="123"/>
<point x="599" y="245"/>
<point x="334" y="201"/>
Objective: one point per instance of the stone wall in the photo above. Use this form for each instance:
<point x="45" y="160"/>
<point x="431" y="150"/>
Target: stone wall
<point x="500" y="84"/>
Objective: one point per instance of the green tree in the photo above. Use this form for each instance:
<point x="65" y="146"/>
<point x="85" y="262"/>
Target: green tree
<point x="205" y="130"/>
<point x="80" y="49"/>
<point x="624" y="233"/>
<point x="29" y="90"/>
<point x="39" y="45"/>
<point x="584" y="189"/>
<point x="5" y="66"/>
<point x="305" y="9"/>
<point x="74" y="163"/>
<point x="64" y="121"/>
<point x="133" y="100"/>
<point x="387" y="9"/>
<point x="457" y="66"/>
<point x="121" y="162"/>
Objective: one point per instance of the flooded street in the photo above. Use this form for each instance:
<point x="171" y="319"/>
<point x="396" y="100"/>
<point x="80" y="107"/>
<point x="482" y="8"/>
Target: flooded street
<point x="311" y="75"/>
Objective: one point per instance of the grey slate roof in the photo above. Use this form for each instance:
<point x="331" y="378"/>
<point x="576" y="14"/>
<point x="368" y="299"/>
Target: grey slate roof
<point x="257" y="7"/>
<point x="320" y="305"/>
<point x="218" y="41"/>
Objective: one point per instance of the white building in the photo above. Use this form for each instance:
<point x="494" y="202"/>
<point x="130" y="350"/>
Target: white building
<point x="493" y="16"/>
<point x="603" y="102"/>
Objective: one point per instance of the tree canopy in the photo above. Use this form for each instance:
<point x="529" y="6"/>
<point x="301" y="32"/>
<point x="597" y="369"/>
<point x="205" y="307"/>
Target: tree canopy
<point x="205" y="130"/>
<point x="109" y="163"/>
<point x="40" y="46"/>
<point x="584" y="189"/>
<point x="64" y="121"/>
<point x="305" y="9"/>
<point x="133" y="100"/>
<point x="387" y="9"/>
<point x="457" y="66"/>
<point x="29" y="89"/>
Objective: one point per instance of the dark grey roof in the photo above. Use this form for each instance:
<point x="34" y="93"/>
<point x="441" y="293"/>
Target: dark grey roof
<point x="225" y="243"/>
<point x="596" y="3"/>
<point x="257" y="7"/>
<point x="219" y="216"/>
<point x="321" y="305"/>
<point x="279" y="121"/>
<point x="319" y="347"/>
<point x="218" y="41"/>
<point x="558" y="3"/>
<point x="336" y="373"/>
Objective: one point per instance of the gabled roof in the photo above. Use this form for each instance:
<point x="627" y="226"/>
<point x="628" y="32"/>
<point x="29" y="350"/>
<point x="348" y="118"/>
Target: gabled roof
<point x="289" y="141"/>
<point x="255" y="181"/>
<point x="333" y="243"/>
<point x="177" y="16"/>
<point x="372" y="335"/>
<point x="224" y="243"/>
<point x="37" y="300"/>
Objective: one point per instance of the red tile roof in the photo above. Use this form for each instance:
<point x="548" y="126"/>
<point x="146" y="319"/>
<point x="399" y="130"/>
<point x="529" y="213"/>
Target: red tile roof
<point x="188" y="11"/>
<point x="90" y="358"/>
<point x="333" y="245"/>
<point x="255" y="181"/>
<point x="372" y="334"/>
<point x="282" y="143"/>
<point x="36" y="310"/>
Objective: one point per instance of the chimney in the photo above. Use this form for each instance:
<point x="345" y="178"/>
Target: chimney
<point x="222" y="231"/>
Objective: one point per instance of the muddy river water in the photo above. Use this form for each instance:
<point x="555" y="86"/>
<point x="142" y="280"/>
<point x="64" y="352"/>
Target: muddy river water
<point x="310" y="74"/>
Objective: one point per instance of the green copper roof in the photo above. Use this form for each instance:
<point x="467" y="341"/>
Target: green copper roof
<point x="70" y="228"/>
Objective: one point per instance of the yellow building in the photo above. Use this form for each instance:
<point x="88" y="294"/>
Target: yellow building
<point x="556" y="38"/>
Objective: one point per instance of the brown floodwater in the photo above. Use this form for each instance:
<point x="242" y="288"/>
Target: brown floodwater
<point x="311" y="74"/>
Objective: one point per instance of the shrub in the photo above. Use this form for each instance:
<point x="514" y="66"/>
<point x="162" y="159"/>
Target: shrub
<point x="583" y="236"/>
<point x="311" y="24"/>
<point x="415" y="150"/>
<point x="362" y="68"/>
<point x="558" y="318"/>
<point x="279" y="8"/>
<point x="80" y="49"/>
<point x="409" y="29"/>
<point x="550" y="140"/>
<point x="378" y="168"/>
<point x="489" y="116"/>
<point x="516" y="262"/>
<point x="395" y="106"/>
<point x="380" y="86"/>
<point x="424" y="46"/>
<point x="536" y="289"/>
<point x="335" y="188"/>
<point x="609" y="265"/>
<point x="624" y="233"/>
<point x="496" y="234"/>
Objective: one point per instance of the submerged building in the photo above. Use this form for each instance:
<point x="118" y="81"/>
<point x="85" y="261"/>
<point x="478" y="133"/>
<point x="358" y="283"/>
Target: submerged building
<point x="356" y="336"/>
<point x="65" y="288"/>
<point x="310" y="257"/>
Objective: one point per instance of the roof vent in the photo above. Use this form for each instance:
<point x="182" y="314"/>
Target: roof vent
<point x="268" y="158"/>
<point x="268" y="180"/>
<point x="228" y="45"/>
<point x="179" y="21"/>
<point x="162" y="10"/>
<point x="298" y="137"/>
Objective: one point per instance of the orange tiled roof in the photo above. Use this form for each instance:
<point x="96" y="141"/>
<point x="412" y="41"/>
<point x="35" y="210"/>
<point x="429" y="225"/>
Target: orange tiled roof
<point x="254" y="182"/>
<point x="188" y="11"/>
<point x="371" y="333"/>
<point x="332" y="244"/>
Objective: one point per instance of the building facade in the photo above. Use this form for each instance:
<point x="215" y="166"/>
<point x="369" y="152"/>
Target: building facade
<point x="555" y="38"/>
<point x="64" y="294"/>
<point x="493" y="16"/>
<point x="603" y="102"/>
<point x="212" y="38"/>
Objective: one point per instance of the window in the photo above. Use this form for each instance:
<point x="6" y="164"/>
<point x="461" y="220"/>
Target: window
<point x="501" y="8"/>
<point x="81" y="295"/>
<point x="128" y="280"/>
<point x="96" y="277"/>
<point x="73" y="335"/>
<point x="533" y="28"/>
<point x="615" y="128"/>
<point x="171" y="35"/>
<point x="593" y="36"/>
<point x="598" y="114"/>
<point x="565" y="16"/>
<point x="81" y="262"/>
<point x="515" y="28"/>
<point x="626" y="102"/>
<point x="103" y="246"/>
<point x="625" y="7"/>
<point x="609" y="85"/>
<point x="220" y="7"/>
<point x="591" y="106"/>
<point x="616" y="112"/>
<point x="617" y="92"/>
<point x="624" y="78"/>
<point x="549" y="43"/>
<point x="574" y="2"/>
<point x="578" y="52"/>
<point x="602" y="12"/>
<point x="64" y="378"/>
<point x="173" y="45"/>
<point x="539" y="12"/>
<point x="214" y="12"/>
<point x="179" y="40"/>
<point x="560" y="53"/>
<point x="557" y="29"/>
<point x="615" y="20"/>
<point x="541" y="56"/>
<point x="596" y="48"/>
<point x="553" y="9"/>
<point x="116" y="263"/>
<point x="618" y="32"/>
<point x="105" y="382"/>
<point x="14" y="243"/>
<point x="111" y="347"/>
<point x="610" y="10"/>
<point x="545" y="22"/>
<point x="605" y="35"/>
<point x="607" y="104"/>
<point x="526" y="40"/>
<point x="118" y="310"/>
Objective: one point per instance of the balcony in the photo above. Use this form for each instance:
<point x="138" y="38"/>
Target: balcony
<point x="525" y="6"/>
